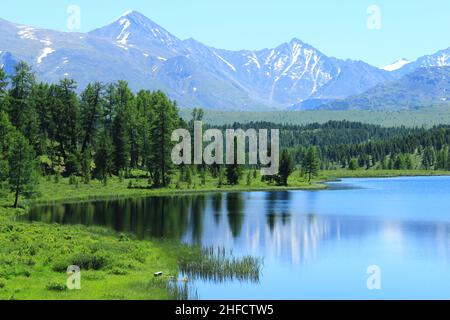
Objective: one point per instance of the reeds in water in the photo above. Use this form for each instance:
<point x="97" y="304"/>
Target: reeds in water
<point x="219" y="265"/>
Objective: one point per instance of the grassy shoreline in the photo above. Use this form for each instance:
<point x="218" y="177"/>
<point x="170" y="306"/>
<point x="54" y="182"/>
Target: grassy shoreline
<point x="63" y="192"/>
<point x="118" y="266"/>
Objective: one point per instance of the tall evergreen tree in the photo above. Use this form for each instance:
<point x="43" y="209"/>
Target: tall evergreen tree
<point x="104" y="162"/>
<point x="286" y="168"/>
<point x="165" y="120"/>
<point x="144" y="105"/>
<point x="311" y="163"/>
<point x="21" y="110"/>
<point x="234" y="171"/>
<point x="20" y="166"/>
<point x="71" y="111"/>
<point x="109" y="107"/>
<point x="40" y="99"/>
<point x="91" y="111"/>
<point x="121" y="127"/>
<point x="428" y="158"/>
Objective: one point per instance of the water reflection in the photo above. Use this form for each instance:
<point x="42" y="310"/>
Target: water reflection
<point x="264" y="224"/>
<point x="312" y="240"/>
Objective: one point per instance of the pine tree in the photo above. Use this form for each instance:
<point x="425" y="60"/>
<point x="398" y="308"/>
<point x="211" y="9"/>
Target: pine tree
<point x="65" y="110"/>
<point x="311" y="163"/>
<point x="110" y="105"/>
<point x="91" y="109"/>
<point x="21" y="167"/>
<point x="165" y="120"/>
<point x="120" y="128"/>
<point x="21" y="110"/>
<point x="234" y="171"/>
<point x="104" y="157"/>
<point x="286" y="168"/>
<point x="428" y="158"/>
<point x="86" y="165"/>
<point x="442" y="161"/>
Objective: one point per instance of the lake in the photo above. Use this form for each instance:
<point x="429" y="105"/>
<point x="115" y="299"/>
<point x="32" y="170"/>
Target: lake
<point x="314" y="244"/>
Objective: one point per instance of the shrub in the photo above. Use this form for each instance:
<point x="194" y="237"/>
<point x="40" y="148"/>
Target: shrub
<point x="2" y="283"/>
<point x="90" y="261"/>
<point x="55" y="286"/>
<point x="118" y="271"/>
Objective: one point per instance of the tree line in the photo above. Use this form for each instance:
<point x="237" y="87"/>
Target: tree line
<point x="103" y="130"/>
<point x="350" y="145"/>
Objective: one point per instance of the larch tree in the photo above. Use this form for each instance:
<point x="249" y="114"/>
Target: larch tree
<point x="287" y="167"/>
<point x="21" y="167"/>
<point x="311" y="163"/>
<point x="165" y="120"/>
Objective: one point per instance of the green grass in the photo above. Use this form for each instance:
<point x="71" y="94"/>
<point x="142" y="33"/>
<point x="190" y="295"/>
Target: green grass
<point x="34" y="257"/>
<point x="49" y="191"/>
<point x="361" y="173"/>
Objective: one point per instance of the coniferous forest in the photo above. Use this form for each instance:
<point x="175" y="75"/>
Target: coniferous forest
<point x="107" y="130"/>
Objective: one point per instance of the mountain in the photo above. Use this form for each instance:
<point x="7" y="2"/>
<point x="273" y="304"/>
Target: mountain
<point x="438" y="59"/>
<point x="424" y="87"/>
<point x="136" y="49"/>
<point x="397" y="65"/>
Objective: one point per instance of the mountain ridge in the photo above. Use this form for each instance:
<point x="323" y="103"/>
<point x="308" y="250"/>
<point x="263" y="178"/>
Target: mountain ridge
<point x="137" y="49"/>
<point x="424" y="87"/>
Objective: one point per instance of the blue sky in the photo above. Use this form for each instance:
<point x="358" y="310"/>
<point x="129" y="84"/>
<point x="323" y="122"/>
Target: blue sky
<point x="337" y="28"/>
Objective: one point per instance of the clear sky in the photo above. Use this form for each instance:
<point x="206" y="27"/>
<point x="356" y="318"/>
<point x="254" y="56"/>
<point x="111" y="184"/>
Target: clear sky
<point x="340" y="28"/>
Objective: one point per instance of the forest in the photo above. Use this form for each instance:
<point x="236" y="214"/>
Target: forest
<point x="106" y="130"/>
<point x="353" y="145"/>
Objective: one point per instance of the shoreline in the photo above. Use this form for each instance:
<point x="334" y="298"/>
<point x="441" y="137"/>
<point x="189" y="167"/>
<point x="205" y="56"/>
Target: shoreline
<point x="320" y="184"/>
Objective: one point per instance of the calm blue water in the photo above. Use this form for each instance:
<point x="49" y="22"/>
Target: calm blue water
<point x="315" y="245"/>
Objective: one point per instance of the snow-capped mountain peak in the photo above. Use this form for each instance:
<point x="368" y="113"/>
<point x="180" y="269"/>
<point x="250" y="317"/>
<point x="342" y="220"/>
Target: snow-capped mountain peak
<point x="397" y="65"/>
<point x="134" y="30"/>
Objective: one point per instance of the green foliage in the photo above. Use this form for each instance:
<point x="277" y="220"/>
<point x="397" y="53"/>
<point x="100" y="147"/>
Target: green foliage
<point x="56" y="286"/>
<point x="233" y="173"/>
<point x="21" y="167"/>
<point x="429" y="158"/>
<point x="104" y="157"/>
<point x="287" y="167"/>
<point x="353" y="164"/>
<point x="311" y="163"/>
<point x="165" y="113"/>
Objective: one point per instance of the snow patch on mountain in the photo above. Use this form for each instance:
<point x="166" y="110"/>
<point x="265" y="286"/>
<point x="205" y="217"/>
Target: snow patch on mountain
<point x="122" y="38"/>
<point x="396" y="65"/>
<point x="225" y="61"/>
<point x="26" y="32"/>
<point x="442" y="61"/>
<point x="47" y="51"/>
